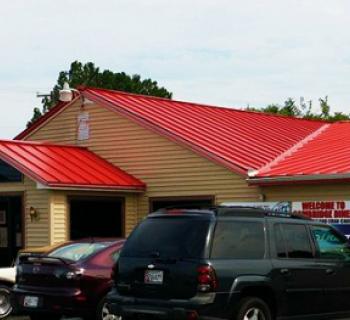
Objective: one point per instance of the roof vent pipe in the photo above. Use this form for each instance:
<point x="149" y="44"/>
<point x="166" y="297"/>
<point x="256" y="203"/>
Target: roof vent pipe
<point x="66" y="94"/>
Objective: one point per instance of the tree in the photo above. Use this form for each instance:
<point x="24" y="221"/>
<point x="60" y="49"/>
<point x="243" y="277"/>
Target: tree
<point x="290" y="108"/>
<point x="90" y="75"/>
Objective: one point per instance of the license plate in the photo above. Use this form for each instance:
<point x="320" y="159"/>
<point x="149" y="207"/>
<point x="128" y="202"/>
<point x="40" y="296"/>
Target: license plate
<point x="31" y="302"/>
<point x="154" y="276"/>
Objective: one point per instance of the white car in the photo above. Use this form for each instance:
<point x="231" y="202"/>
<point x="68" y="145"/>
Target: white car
<point x="7" y="280"/>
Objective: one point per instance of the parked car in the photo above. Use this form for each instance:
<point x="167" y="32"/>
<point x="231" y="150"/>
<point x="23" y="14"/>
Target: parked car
<point x="8" y="279"/>
<point x="232" y="263"/>
<point x="71" y="280"/>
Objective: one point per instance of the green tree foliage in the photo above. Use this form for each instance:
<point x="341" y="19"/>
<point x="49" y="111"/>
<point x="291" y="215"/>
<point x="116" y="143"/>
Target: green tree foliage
<point x="304" y="110"/>
<point x="90" y="75"/>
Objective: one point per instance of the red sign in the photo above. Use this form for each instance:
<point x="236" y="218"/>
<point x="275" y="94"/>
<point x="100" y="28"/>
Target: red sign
<point x="323" y="209"/>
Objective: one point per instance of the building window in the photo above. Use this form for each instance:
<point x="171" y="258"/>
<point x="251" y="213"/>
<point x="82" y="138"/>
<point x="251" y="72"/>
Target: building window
<point x="8" y="173"/>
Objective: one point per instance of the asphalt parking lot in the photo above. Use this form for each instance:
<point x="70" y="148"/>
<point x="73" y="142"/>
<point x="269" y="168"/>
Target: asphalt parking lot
<point x="26" y="318"/>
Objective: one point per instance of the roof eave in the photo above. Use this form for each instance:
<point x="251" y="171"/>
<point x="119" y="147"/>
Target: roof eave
<point x="76" y="187"/>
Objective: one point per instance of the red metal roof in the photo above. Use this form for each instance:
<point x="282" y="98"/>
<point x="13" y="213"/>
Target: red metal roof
<point x="60" y="166"/>
<point x="326" y="156"/>
<point x="240" y="140"/>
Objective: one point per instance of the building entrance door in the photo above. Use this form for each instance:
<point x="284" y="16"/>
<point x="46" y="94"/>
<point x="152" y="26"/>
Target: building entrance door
<point x="10" y="228"/>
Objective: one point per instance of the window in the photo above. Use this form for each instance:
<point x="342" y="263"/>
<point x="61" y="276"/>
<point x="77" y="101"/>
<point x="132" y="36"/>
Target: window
<point x="295" y="239"/>
<point x="8" y="173"/>
<point x="238" y="240"/>
<point x="331" y="244"/>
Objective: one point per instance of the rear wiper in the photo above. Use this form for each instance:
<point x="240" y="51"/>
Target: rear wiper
<point x="155" y="254"/>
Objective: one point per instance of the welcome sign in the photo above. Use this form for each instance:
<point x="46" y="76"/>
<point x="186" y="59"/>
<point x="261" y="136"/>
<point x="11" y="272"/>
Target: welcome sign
<point x="323" y="209"/>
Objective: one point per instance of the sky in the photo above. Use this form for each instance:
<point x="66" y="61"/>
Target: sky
<point x="229" y="53"/>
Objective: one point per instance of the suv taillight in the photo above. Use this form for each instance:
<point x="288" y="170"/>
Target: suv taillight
<point x="207" y="280"/>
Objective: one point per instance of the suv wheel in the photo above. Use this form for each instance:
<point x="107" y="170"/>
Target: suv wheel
<point x="252" y="308"/>
<point x="103" y="312"/>
<point x="5" y="303"/>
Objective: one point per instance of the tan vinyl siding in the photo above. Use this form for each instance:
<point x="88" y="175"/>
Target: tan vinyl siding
<point x="307" y="192"/>
<point x="37" y="233"/>
<point x="130" y="215"/>
<point x="60" y="129"/>
<point x="59" y="217"/>
<point x="167" y="168"/>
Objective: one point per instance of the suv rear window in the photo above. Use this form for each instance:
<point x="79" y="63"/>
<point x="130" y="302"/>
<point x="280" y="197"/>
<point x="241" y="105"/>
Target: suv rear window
<point x="238" y="240"/>
<point x="168" y="237"/>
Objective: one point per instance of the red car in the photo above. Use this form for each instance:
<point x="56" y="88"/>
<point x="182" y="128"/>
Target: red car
<point x="71" y="280"/>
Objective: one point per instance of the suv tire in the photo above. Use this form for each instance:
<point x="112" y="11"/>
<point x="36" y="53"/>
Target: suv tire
<point x="252" y="308"/>
<point x="103" y="312"/>
<point x="5" y="303"/>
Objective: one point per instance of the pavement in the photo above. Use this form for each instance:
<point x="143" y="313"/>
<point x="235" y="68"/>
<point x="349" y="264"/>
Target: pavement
<point x="27" y="318"/>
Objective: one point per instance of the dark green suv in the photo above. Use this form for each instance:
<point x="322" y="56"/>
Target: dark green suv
<point x="232" y="263"/>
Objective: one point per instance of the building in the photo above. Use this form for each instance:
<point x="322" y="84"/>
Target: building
<point x="97" y="165"/>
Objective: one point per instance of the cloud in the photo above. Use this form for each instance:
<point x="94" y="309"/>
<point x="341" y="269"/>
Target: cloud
<point x="217" y="52"/>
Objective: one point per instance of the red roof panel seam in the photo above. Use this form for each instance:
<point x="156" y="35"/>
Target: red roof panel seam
<point x="73" y="175"/>
<point x="110" y="168"/>
<point x="82" y="176"/>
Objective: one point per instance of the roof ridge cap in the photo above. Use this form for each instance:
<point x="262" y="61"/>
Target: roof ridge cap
<point x="290" y="151"/>
<point x="204" y="105"/>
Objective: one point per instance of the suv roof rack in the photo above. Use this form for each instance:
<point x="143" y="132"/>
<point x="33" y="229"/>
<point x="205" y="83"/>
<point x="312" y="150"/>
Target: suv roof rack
<point x="256" y="211"/>
<point x="238" y="211"/>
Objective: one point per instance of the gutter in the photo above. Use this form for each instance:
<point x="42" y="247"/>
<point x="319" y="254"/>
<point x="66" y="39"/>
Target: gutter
<point x="298" y="179"/>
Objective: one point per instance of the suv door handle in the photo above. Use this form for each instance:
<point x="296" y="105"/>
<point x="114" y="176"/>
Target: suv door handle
<point x="285" y="272"/>
<point x="330" y="271"/>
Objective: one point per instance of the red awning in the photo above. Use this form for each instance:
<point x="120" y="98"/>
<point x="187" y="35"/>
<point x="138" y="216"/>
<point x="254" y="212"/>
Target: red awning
<point x="58" y="166"/>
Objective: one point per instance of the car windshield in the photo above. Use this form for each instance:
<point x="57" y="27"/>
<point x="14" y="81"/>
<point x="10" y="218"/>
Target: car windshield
<point x="168" y="238"/>
<point x="78" y="251"/>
